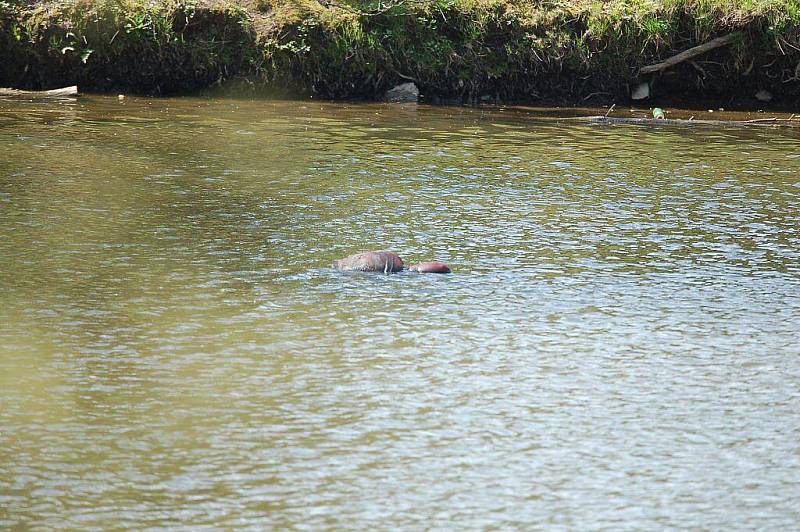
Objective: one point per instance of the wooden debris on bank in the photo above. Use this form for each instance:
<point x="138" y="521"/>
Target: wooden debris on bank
<point x="690" y="53"/>
<point x="64" y="92"/>
<point x="792" y="121"/>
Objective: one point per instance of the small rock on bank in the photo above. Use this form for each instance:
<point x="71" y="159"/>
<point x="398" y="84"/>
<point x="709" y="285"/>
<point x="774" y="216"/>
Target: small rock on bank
<point x="763" y="96"/>
<point x="407" y="92"/>
<point x="641" y="91"/>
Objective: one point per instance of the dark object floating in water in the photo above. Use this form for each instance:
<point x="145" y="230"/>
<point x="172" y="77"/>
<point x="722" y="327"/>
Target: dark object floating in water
<point x="430" y="267"/>
<point x="65" y="92"/>
<point x="385" y="262"/>
<point x="371" y="261"/>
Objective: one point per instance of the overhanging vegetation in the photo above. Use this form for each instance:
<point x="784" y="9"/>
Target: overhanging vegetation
<point x="461" y="50"/>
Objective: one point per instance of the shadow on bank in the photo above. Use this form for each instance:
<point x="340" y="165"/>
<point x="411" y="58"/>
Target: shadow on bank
<point x="452" y="51"/>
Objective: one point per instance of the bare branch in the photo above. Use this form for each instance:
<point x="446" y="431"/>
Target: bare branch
<point x="690" y="53"/>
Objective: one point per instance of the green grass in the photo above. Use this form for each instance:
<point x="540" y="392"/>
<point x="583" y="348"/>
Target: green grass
<point x="461" y="49"/>
<point x="133" y="45"/>
<point x="466" y="48"/>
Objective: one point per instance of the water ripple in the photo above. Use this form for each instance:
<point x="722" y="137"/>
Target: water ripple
<point x="616" y="349"/>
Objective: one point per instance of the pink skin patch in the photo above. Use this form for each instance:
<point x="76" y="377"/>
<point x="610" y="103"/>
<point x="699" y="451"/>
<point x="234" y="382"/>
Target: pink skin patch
<point x="430" y="267"/>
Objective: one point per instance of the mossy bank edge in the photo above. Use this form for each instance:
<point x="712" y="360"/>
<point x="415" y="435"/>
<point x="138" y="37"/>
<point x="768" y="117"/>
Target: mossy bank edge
<point x="568" y="51"/>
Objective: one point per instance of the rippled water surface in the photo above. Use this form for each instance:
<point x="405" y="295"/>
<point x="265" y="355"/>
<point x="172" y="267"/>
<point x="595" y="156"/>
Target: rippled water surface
<point x="617" y="348"/>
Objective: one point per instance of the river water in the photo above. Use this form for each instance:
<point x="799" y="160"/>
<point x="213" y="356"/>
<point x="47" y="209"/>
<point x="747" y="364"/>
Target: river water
<point x="618" y="346"/>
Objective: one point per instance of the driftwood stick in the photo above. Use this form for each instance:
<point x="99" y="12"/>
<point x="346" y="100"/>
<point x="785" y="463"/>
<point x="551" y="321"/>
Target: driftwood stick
<point x="55" y="93"/>
<point x="690" y="53"/>
<point x="775" y="122"/>
<point x="757" y="120"/>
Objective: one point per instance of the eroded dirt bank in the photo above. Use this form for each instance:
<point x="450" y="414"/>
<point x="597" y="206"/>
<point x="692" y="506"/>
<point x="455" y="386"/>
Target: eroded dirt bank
<point x="454" y="50"/>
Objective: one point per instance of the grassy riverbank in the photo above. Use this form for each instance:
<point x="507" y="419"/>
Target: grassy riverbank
<point x="461" y="50"/>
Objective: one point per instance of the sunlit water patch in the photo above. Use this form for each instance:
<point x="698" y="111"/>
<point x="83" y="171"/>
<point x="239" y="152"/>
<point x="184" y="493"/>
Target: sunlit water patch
<point x="617" y="346"/>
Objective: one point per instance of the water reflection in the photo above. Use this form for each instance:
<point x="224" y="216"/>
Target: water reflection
<point x="616" y="347"/>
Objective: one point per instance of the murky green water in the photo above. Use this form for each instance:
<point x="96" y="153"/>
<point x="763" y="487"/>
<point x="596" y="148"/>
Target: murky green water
<point x="618" y="348"/>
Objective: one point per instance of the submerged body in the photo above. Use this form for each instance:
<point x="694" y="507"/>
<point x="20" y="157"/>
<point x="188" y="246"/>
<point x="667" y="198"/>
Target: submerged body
<point x="386" y="262"/>
<point x="371" y="261"/>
